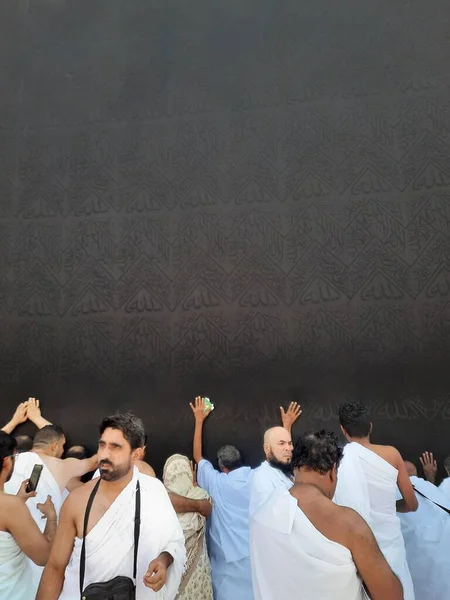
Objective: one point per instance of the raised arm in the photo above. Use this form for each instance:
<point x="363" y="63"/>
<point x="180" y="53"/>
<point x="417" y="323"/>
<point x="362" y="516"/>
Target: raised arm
<point x="19" y="416"/>
<point x="74" y="467"/>
<point x="34" y="413"/>
<point x="378" y="578"/>
<point x="198" y="409"/>
<point x="53" y="577"/>
<point x="408" y="503"/>
<point x="289" y="417"/>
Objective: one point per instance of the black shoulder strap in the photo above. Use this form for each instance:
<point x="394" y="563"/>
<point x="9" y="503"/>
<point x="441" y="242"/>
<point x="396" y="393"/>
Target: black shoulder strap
<point x="423" y="495"/>
<point x="137" y="527"/>
<point x="85" y="525"/>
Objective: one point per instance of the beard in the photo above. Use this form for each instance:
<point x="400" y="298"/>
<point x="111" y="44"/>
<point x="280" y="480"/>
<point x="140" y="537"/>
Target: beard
<point x="285" y="468"/>
<point x="114" y="472"/>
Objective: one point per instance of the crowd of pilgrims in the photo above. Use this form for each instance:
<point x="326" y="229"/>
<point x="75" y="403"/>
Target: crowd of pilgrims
<point x="322" y="519"/>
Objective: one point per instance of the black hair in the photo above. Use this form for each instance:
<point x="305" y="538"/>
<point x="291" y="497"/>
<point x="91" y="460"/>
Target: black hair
<point x="229" y="458"/>
<point x="24" y="443"/>
<point x="79" y="452"/>
<point x="355" y="419"/>
<point x="8" y="446"/>
<point x="131" y="426"/>
<point x="48" y="435"/>
<point x="318" y="451"/>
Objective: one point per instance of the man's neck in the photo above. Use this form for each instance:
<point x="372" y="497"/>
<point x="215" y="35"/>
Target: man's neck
<point x="312" y="479"/>
<point x="364" y="441"/>
<point x="41" y="452"/>
<point x="113" y="488"/>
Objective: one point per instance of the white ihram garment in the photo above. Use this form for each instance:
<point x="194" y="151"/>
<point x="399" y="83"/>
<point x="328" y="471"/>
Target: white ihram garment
<point x="291" y="559"/>
<point x="18" y="581"/>
<point x="427" y="540"/>
<point x="47" y="486"/>
<point x="368" y="484"/>
<point x="265" y="480"/>
<point x="110" y="543"/>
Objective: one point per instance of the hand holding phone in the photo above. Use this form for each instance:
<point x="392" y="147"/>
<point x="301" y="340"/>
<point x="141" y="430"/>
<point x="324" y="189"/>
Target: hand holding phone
<point x="23" y="494"/>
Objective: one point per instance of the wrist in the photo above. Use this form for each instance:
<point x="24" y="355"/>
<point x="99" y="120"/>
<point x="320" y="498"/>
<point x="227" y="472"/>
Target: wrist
<point x="166" y="558"/>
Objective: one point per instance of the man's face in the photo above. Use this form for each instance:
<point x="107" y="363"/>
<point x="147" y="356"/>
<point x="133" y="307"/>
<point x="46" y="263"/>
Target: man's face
<point x="280" y="448"/>
<point x="115" y="456"/>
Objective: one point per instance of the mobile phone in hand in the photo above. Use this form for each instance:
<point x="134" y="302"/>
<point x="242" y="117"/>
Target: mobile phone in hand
<point x="34" y="478"/>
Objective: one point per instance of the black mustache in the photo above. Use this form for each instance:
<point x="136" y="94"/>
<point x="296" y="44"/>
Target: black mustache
<point x="105" y="462"/>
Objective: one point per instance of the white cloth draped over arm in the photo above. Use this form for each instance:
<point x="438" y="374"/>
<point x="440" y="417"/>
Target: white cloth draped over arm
<point x="291" y="559"/>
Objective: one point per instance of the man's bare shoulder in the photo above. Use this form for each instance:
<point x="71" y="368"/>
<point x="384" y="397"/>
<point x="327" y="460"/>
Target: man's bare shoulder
<point x="10" y="501"/>
<point x="11" y="507"/>
<point x="53" y="463"/>
<point x="389" y="453"/>
<point x="145" y="468"/>
<point x="352" y="520"/>
<point x="80" y="495"/>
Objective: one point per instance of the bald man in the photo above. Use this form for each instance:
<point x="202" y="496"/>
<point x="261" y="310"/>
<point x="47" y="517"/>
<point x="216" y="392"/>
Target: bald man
<point x="427" y="539"/>
<point x="276" y="471"/>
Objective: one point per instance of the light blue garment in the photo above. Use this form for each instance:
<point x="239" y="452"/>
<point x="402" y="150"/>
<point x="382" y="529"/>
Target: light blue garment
<point x="265" y="480"/>
<point x="228" y="532"/>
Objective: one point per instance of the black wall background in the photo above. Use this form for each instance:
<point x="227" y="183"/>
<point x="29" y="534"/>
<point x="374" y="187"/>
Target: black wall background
<point x="244" y="199"/>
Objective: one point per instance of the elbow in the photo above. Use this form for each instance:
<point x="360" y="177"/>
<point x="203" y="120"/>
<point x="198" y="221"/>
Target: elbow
<point x="413" y="505"/>
<point x="42" y="557"/>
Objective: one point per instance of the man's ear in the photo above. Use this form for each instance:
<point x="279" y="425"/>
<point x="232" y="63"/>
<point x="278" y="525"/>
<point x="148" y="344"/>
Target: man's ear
<point x="371" y="428"/>
<point x="343" y="431"/>
<point x="333" y="474"/>
<point x="266" y="449"/>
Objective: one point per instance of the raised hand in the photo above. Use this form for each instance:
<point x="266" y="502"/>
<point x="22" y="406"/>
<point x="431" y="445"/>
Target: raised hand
<point x="289" y="416"/>
<point x="34" y="413"/>
<point x="199" y="409"/>
<point x="429" y="466"/>
<point x="34" y="409"/>
<point x="20" y="415"/>
<point x="23" y="494"/>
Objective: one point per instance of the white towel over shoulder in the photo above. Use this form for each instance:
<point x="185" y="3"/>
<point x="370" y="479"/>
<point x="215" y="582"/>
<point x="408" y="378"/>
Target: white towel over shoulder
<point x="110" y="543"/>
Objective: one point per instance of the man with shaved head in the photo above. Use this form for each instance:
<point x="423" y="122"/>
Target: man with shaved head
<point x="427" y="537"/>
<point x="276" y="471"/>
<point x="229" y="488"/>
